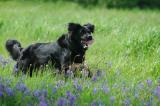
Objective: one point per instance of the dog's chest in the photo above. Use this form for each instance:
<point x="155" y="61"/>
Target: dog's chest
<point x="77" y="58"/>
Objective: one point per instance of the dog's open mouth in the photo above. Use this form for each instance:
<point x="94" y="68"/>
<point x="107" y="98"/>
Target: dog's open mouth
<point x="86" y="43"/>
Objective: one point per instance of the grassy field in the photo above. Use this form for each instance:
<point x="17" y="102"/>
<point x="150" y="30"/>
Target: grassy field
<point x="125" y="57"/>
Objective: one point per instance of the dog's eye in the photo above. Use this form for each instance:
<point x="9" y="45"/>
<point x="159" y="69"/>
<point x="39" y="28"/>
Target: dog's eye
<point x="82" y="31"/>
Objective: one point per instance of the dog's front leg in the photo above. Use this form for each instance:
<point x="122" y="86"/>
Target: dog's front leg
<point x="25" y="66"/>
<point x="86" y="70"/>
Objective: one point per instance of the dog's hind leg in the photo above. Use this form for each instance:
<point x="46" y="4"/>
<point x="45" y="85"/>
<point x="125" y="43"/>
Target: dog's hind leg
<point x="31" y="70"/>
<point x="58" y="68"/>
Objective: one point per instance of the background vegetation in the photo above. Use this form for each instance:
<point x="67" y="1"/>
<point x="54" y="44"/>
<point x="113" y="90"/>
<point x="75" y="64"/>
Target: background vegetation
<point x="125" y="57"/>
<point x="110" y="3"/>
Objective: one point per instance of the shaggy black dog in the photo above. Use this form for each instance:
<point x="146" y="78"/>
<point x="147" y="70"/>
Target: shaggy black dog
<point x="69" y="49"/>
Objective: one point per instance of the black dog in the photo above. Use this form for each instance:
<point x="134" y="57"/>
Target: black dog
<point x="70" y="48"/>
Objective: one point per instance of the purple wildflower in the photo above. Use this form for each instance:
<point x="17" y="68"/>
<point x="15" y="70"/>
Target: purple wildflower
<point x="68" y="93"/>
<point x="105" y="89"/>
<point x="1" y="86"/>
<point x="62" y="102"/>
<point x="72" y="100"/>
<point x="151" y="98"/>
<point x="140" y="85"/>
<point x="43" y="103"/>
<point x="99" y="73"/>
<point x="157" y="92"/>
<point x="60" y="84"/>
<point x="1" y="94"/>
<point x="94" y="103"/>
<point x="27" y="92"/>
<point x="3" y="61"/>
<point x="112" y="99"/>
<point x="127" y="102"/>
<point x="54" y="90"/>
<point x="148" y="103"/>
<point x="136" y="95"/>
<point x="149" y="82"/>
<point x="9" y="91"/>
<point x="41" y="98"/>
<point x="95" y="90"/>
<point x="94" y="78"/>
<point x="15" y="69"/>
<point x="8" y="82"/>
<point x="21" y="87"/>
<point x="44" y="92"/>
<point x="36" y="93"/>
<point x="124" y="90"/>
<point x="75" y="83"/>
<point x="79" y="87"/>
<point x="100" y="103"/>
<point x="69" y="73"/>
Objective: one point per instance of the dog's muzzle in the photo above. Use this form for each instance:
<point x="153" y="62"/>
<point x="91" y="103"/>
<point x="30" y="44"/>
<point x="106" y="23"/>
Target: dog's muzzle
<point x="87" y="42"/>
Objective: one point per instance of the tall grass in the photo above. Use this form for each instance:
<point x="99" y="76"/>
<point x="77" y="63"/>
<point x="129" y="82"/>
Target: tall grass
<point x="126" y="51"/>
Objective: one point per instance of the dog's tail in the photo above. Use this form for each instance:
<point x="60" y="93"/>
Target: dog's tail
<point x="14" y="48"/>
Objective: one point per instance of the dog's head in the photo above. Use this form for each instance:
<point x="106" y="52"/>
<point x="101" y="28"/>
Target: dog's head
<point x="14" y="48"/>
<point x="81" y="35"/>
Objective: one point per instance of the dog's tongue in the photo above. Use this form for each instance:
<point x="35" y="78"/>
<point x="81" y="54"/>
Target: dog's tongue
<point x="89" y="42"/>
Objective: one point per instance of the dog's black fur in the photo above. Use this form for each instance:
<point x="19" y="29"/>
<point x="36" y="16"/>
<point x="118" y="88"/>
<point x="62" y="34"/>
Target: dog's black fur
<point x="68" y="49"/>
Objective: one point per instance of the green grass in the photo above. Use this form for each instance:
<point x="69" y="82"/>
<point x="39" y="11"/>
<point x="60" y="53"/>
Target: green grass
<point x="126" y="42"/>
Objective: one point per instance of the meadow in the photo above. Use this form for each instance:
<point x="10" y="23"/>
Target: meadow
<point x="124" y="58"/>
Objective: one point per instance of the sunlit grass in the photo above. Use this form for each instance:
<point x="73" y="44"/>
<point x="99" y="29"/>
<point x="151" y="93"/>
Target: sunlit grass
<point x="126" y="50"/>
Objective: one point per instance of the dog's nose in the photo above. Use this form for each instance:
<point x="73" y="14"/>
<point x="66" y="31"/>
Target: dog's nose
<point x="89" y="38"/>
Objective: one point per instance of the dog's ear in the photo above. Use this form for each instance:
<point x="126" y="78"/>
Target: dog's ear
<point x="91" y="27"/>
<point x="73" y="27"/>
<point x="25" y="53"/>
<point x="62" y="41"/>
